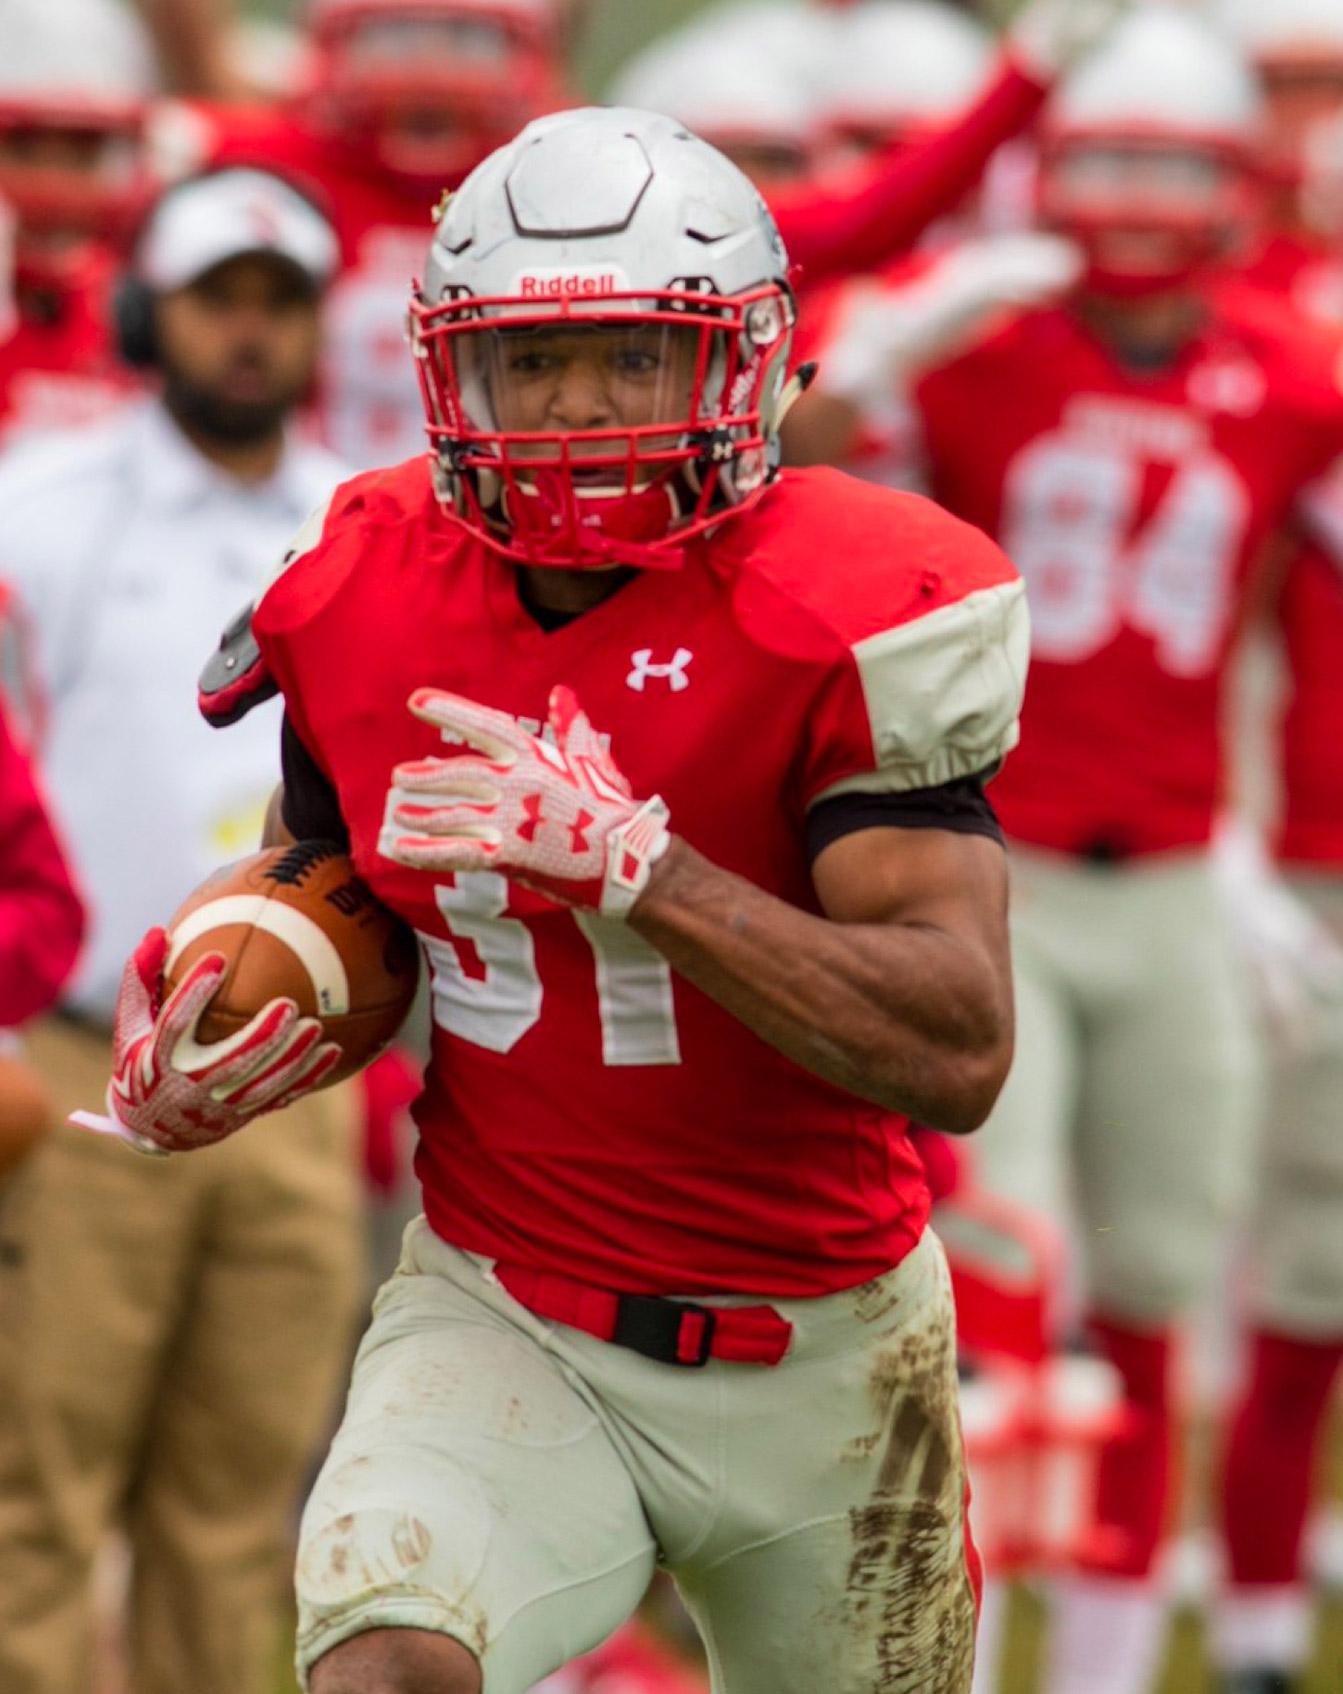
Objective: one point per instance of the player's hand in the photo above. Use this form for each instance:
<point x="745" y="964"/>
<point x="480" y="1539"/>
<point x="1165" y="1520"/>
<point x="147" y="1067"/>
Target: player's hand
<point x="1295" y="963"/>
<point x="556" y="814"/>
<point x="169" y="1093"/>
<point x="889" y="336"/>
<point x="1048" y="37"/>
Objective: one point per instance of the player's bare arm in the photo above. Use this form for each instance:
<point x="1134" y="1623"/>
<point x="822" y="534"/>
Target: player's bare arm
<point x="900" y="993"/>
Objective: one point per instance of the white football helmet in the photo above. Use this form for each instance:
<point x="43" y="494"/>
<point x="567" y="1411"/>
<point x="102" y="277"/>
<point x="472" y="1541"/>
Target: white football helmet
<point x="740" y="76"/>
<point x="899" y="70"/>
<point x="1151" y="142"/>
<point x="1298" y="47"/>
<point x="1287" y="34"/>
<point x="84" y="68"/>
<point x="616" y="236"/>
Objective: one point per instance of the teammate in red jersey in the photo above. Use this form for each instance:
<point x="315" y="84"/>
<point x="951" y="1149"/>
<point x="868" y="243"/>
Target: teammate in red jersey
<point x="674" y="1299"/>
<point x="1263" y="1618"/>
<point x="1140" y="453"/>
<point x="403" y="98"/>
<point x="71" y="176"/>
<point x="899" y="75"/>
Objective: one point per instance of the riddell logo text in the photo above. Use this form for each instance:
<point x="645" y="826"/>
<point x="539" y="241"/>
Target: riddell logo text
<point x="560" y="285"/>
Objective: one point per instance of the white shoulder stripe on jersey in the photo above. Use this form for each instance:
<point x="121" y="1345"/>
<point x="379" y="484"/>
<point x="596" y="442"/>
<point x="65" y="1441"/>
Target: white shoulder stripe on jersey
<point x="944" y="692"/>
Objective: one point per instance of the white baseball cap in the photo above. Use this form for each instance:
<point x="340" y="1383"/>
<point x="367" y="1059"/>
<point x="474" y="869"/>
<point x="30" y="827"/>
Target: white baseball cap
<point x="229" y="213"/>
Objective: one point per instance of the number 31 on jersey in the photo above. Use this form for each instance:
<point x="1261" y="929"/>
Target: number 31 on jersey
<point x="496" y="1009"/>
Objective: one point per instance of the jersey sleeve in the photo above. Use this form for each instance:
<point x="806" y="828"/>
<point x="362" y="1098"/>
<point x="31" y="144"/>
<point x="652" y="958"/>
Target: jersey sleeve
<point x="933" y="697"/>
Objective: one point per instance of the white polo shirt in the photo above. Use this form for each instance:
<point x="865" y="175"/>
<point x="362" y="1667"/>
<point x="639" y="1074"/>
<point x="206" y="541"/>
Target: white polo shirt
<point x="130" y="552"/>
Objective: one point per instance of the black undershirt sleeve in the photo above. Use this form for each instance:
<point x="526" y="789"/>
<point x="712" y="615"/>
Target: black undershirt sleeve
<point x="962" y="806"/>
<point x="310" y="810"/>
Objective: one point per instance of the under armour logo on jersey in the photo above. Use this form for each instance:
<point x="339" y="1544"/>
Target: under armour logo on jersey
<point x="673" y="674"/>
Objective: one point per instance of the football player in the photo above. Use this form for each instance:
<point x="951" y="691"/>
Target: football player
<point x="899" y="74"/>
<point x="402" y="99"/>
<point x="1145" y="448"/>
<point x="696" y="960"/>
<point x="72" y="174"/>
<point x="1263" y="1622"/>
<point x="860" y="217"/>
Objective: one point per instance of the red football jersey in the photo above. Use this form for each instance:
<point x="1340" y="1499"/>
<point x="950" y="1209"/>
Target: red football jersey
<point x="1136" y="507"/>
<point x="62" y="372"/>
<point x="1309" y="277"/>
<point x="369" y="410"/>
<point x="586" y="1110"/>
<point x="41" y="917"/>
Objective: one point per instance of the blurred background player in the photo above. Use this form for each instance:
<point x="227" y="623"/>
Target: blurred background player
<point x="1295" y="1297"/>
<point x="898" y="74"/>
<point x="173" y="1329"/>
<point x="857" y="216"/>
<point x="73" y="173"/>
<point x="1144" y="451"/>
<point x="41" y="926"/>
<point x="398" y="100"/>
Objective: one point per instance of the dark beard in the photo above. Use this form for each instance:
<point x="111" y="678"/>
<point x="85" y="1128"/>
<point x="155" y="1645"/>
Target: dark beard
<point x="231" y="423"/>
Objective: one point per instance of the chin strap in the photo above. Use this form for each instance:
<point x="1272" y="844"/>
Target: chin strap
<point x="796" y="386"/>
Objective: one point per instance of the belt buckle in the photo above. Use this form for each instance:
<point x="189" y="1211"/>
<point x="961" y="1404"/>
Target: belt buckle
<point x="652" y="1325"/>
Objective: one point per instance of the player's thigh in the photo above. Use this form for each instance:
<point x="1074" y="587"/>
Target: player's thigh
<point x="841" y="1560"/>
<point x="1169" y="1108"/>
<point x="1022" y="1152"/>
<point x="470" y="1491"/>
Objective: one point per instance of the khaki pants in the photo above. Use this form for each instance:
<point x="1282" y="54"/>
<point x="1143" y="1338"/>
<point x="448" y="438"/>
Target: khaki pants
<point x="172" y="1334"/>
<point x="1134" y="1096"/>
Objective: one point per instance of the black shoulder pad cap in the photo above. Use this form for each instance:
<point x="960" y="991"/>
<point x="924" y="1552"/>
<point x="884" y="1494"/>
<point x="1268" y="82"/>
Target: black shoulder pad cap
<point x="235" y="679"/>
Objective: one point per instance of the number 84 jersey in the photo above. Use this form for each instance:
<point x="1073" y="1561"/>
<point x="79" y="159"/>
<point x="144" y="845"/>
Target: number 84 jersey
<point x="587" y="1111"/>
<point x="1136" y="506"/>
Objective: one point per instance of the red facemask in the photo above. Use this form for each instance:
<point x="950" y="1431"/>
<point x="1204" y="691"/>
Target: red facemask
<point x="609" y="491"/>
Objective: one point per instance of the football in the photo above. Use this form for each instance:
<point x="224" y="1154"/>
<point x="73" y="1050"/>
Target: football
<point x="297" y="922"/>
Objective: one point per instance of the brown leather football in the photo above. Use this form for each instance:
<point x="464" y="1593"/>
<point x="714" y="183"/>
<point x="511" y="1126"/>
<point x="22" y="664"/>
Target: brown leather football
<point x="297" y="922"/>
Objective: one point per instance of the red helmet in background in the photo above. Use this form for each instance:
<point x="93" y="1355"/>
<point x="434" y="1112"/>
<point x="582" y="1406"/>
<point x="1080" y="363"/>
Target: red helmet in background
<point x="74" y="82"/>
<point x="427" y="88"/>
<point x="1149" y="154"/>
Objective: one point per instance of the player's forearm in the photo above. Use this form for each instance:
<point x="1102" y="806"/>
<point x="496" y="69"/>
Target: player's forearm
<point x="880" y="210"/>
<point x="911" y="1017"/>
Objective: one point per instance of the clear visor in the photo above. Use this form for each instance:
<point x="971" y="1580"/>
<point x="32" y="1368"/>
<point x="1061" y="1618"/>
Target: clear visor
<point x="605" y="391"/>
<point x="1162" y="180"/>
<point x="433" y="43"/>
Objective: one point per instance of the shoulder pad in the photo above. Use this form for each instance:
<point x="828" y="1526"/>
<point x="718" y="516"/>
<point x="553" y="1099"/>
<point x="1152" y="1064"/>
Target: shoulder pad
<point x="235" y="677"/>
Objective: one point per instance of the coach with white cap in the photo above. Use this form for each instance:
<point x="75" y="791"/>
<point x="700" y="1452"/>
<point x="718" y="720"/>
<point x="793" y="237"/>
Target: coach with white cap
<point x="171" y="1331"/>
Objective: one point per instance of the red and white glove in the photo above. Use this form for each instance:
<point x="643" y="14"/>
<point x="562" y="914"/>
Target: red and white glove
<point x="169" y="1093"/>
<point x="556" y="815"/>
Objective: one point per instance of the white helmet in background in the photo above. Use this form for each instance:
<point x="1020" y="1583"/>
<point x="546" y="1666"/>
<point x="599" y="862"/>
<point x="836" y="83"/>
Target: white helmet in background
<point x="1290" y="35"/>
<point x="619" y="231"/>
<point x="81" y="69"/>
<point x="1297" y="46"/>
<point x="897" y="70"/>
<point x="739" y="88"/>
<point x="1149" y="148"/>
